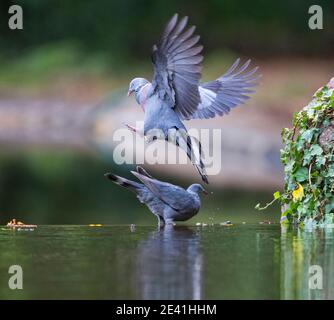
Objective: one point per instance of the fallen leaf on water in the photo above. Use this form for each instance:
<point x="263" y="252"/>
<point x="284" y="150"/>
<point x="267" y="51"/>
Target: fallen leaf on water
<point x="95" y="225"/>
<point x="18" y="225"/>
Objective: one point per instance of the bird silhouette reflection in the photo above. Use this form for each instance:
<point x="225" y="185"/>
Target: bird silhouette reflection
<point x="170" y="264"/>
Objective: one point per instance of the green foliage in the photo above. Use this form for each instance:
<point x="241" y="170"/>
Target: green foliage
<point x="309" y="163"/>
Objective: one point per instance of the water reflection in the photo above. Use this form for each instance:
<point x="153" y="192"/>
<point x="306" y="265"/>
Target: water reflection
<point x="301" y="249"/>
<point x="213" y="262"/>
<point x="170" y="264"/>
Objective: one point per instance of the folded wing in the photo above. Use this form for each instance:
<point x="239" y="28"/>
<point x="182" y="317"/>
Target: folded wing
<point x="174" y="196"/>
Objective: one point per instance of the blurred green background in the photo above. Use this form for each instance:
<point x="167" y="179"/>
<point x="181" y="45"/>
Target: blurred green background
<point x="71" y="58"/>
<point x="123" y="31"/>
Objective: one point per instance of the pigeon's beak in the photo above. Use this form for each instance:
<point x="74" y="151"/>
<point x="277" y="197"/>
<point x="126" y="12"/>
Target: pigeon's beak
<point x="205" y="192"/>
<point x="129" y="93"/>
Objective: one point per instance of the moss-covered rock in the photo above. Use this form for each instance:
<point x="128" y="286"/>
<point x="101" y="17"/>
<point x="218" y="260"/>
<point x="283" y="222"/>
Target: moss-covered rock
<point x="308" y="159"/>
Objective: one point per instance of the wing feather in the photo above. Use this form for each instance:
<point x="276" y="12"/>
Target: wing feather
<point x="218" y="97"/>
<point x="177" y="67"/>
<point x="174" y="196"/>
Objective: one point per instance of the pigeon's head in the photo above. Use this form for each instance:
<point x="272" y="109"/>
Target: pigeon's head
<point x="197" y="188"/>
<point x="136" y="84"/>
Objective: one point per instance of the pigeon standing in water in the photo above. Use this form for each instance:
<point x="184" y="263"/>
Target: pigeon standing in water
<point x="175" y="93"/>
<point x="166" y="201"/>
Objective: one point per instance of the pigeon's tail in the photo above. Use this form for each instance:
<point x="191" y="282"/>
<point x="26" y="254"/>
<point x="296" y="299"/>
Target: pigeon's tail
<point x="131" y="185"/>
<point x="201" y="170"/>
<point x="194" y="152"/>
<point x="199" y="166"/>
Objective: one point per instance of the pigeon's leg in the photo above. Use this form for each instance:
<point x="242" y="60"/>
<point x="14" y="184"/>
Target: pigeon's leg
<point x="170" y="222"/>
<point x="161" y="221"/>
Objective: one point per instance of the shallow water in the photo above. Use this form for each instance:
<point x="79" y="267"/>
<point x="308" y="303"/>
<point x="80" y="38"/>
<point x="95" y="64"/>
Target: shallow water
<point x="214" y="262"/>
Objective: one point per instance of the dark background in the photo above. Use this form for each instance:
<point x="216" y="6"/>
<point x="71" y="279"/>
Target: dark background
<point x="124" y="30"/>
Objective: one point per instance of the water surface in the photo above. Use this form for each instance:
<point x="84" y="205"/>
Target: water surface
<point x="244" y="261"/>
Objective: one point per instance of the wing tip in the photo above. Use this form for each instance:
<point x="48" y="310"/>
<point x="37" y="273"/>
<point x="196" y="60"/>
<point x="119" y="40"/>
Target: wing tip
<point x="110" y="176"/>
<point x="138" y="175"/>
<point x="134" y="172"/>
<point x="184" y="20"/>
<point x="138" y="168"/>
<point x="143" y="172"/>
<point x="174" y="19"/>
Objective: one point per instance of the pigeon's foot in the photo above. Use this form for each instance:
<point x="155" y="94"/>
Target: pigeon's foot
<point x="170" y="223"/>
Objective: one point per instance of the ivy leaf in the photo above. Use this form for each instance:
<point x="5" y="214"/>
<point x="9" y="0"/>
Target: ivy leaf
<point x="321" y="160"/>
<point x="277" y="195"/>
<point x="310" y="113"/>
<point x="308" y="134"/>
<point x="289" y="166"/>
<point x="307" y="158"/>
<point x="330" y="172"/>
<point x="316" y="150"/>
<point x="301" y="174"/>
<point x="329" y="208"/>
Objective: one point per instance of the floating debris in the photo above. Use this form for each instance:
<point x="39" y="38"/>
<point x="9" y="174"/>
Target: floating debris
<point x="132" y="227"/>
<point x="227" y="223"/>
<point x="20" y="226"/>
<point x="201" y="224"/>
<point x="265" y="222"/>
<point x="95" y="225"/>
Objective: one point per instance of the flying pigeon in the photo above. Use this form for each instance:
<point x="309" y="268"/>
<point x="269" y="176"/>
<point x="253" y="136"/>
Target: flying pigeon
<point x="176" y="94"/>
<point x="166" y="201"/>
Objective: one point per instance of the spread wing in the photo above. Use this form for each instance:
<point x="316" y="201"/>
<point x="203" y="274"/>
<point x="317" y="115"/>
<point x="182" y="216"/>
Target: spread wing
<point x="226" y="92"/>
<point x="174" y="196"/>
<point x="177" y="67"/>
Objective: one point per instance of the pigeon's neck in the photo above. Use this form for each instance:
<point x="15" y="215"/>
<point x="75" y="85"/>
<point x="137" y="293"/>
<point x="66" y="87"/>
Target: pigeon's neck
<point x="142" y="95"/>
<point x="196" y="202"/>
<point x="196" y="197"/>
